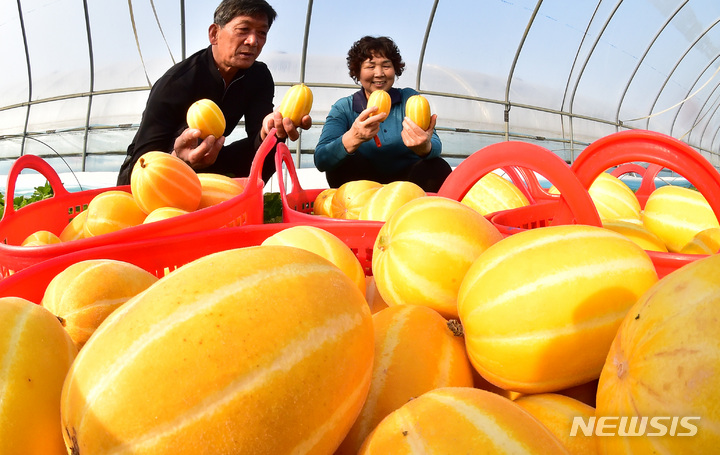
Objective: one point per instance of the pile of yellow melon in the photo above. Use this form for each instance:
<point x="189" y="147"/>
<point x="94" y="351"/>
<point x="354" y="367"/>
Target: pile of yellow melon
<point x="554" y="340"/>
<point x="674" y="219"/>
<point x="162" y="186"/>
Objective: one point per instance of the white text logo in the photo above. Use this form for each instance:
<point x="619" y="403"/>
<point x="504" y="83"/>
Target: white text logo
<point x="634" y="426"/>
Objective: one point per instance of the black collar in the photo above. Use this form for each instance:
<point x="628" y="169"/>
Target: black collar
<point x="359" y="101"/>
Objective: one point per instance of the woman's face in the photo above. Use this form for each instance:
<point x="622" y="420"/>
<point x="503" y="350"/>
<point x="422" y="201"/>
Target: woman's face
<point x="376" y="73"/>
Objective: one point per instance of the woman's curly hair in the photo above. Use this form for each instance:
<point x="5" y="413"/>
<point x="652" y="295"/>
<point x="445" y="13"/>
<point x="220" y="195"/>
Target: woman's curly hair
<point x="365" y="47"/>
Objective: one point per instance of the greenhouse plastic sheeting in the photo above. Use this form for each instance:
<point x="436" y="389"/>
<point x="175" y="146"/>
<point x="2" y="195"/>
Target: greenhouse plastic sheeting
<point x="561" y="74"/>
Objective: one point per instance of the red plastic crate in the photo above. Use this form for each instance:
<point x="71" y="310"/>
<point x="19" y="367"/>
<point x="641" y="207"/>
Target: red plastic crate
<point x="572" y="205"/>
<point x="297" y="203"/>
<point x="163" y="254"/>
<point x="660" y="151"/>
<point x="55" y="213"/>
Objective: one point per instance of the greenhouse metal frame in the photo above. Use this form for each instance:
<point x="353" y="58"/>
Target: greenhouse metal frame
<point x="555" y="73"/>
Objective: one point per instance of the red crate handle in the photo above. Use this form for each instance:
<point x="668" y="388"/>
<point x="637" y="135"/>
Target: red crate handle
<point x="38" y="164"/>
<point x="654" y="148"/>
<point x="575" y="204"/>
<point x="283" y="155"/>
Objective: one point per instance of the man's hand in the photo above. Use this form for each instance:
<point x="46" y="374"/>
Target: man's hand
<point x="284" y="126"/>
<point x="201" y="155"/>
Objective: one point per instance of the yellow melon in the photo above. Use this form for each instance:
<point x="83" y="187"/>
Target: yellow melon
<point x="706" y="241"/>
<point x="389" y="198"/>
<point x="613" y="199"/>
<point x="417" y="109"/>
<point x="460" y="420"/>
<point x="40" y="238"/>
<point x="557" y="413"/>
<point x="160" y="179"/>
<point x="664" y="363"/>
<point x="493" y="193"/>
<point x="322" y="205"/>
<point x="325" y="244"/>
<point x="676" y="214"/>
<point x="232" y="353"/>
<point x="75" y="228"/>
<point x="206" y="116"/>
<point x="35" y="356"/>
<point x="350" y="198"/>
<point x="111" y="211"/>
<point x="163" y="213"/>
<point x="636" y="232"/>
<point x="217" y="188"/>
<point x="415" y="352"/>
<point x="296" y="103"/>
<point x="86" y="292"/>
<point x="550" y="299"/>
<point x="423" y="251"/>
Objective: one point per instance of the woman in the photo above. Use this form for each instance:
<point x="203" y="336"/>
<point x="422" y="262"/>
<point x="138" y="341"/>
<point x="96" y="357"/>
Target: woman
<point x="346" y="150"/>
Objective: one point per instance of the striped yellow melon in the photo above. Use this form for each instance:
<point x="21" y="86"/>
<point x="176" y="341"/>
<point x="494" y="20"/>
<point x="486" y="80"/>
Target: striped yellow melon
<point x="550" y="299"/>
<point x="322" y="205"/>
<point x="422" y="253"/>
<point x="217" y="188"/>
<point x="613" y="199"/>
<point x="417" y="109"/>
<point x="636" y="232"/>
<point x="350" y="198"/>
<point x="704" y="242"/>
<point x="75" y="228"/>
<point x="35" y="355"/>
<point x="493" y="193"/>
<point x="676" y="214"/>
<point x="206" y="116"/>
<point x="111" y="211"/>
<point x="232" y="353"/>
<point x="296" y="103"/>
<point x="164" y="213"/>
<point x="41" y="237"/>
<point x="389" y="198"/>
<point x="415" y="352"/>
<point x="86" y="292"/>
<point x="557" y="412"/>
<point x="160" y="179"/>
<point x="665" y="362"/>
<point x="461" y="420"/>
<point x="325" y="244"/>
<point x="381" y="100"/>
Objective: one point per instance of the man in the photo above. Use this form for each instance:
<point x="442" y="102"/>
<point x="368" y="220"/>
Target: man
<point x="228" y="73"/>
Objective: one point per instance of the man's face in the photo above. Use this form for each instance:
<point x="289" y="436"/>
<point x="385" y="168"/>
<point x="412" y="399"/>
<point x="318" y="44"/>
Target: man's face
<point x="238" y="44"/>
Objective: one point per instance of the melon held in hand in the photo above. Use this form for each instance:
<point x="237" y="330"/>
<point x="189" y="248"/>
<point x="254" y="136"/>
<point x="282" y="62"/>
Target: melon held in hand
<point x="541" y="307"/>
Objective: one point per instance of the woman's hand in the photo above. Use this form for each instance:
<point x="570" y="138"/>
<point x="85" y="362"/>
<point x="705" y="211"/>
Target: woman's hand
<point x="417" y="139"/>
<point x="284" y="127"/>
<point x="198" y="156"/>
<point x="364" y="128"/>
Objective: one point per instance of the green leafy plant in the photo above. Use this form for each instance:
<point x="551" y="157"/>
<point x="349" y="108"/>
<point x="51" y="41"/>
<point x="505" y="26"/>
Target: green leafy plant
<point x="272" y="208"/>
<point x="39" y="193"/>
